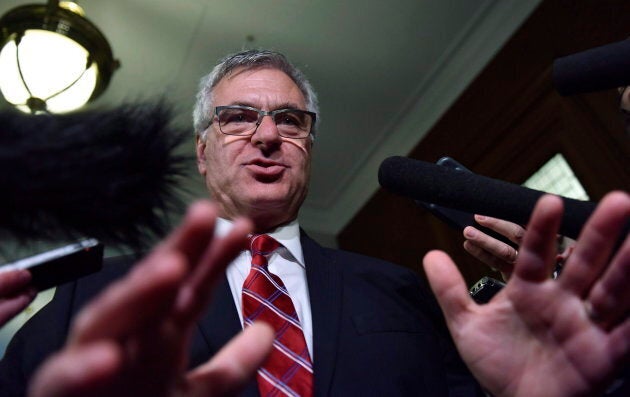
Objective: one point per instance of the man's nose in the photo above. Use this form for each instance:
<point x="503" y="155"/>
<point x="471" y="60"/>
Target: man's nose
<point x="267" y="132"/>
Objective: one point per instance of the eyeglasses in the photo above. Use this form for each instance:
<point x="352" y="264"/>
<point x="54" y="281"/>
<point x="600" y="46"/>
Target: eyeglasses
<point x="244" y="120"/>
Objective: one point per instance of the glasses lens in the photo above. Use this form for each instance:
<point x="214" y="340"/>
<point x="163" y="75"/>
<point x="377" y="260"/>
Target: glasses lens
<point x="236" y="121"/>
<point x="293" y="123"/>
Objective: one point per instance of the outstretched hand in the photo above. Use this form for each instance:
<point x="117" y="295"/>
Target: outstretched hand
<point x="545" y="337"/>
<point x="133" y="339"/>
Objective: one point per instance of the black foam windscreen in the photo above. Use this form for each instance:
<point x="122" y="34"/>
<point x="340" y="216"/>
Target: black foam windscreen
<point x="596" y="69"/>
<point x="474" y="193"/>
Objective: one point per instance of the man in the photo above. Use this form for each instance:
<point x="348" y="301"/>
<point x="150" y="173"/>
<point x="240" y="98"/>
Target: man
<point x="354" y="311"/>
<point x="369" y="328"/>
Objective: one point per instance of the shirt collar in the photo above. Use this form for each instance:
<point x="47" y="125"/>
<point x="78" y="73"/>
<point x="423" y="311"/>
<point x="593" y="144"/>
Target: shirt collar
<point x="288" y="235"/>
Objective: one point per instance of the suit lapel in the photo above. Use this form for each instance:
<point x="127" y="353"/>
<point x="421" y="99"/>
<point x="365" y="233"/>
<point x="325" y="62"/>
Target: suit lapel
<point x="221" y="323"/>
<point x="324" y="278"/>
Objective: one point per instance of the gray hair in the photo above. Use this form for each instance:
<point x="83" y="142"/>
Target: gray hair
<point x="247" y="60"/>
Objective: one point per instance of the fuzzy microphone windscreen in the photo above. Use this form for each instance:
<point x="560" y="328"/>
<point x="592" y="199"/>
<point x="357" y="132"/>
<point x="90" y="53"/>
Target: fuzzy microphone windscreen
<point x="110" y="174"/>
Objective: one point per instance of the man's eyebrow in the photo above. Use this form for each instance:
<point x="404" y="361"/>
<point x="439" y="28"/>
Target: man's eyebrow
<point x="238" y="103"/>
<point x="284" y="105"/>
<point x="287" y="105"/>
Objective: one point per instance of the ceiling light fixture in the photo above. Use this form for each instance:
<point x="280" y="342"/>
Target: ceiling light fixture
<point x="52" y="58"/>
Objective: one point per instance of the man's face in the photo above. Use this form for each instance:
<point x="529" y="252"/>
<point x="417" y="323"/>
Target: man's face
<point x="263" y="176"/>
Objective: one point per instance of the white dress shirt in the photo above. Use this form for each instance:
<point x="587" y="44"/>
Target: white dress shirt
<point x="287" y="263"/>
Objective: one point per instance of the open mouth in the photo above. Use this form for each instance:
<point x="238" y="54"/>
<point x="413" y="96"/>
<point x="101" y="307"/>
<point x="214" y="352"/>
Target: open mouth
<point x="265" y="170"/>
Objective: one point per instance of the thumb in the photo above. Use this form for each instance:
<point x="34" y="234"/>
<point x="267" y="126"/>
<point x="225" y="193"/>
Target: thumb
<point x="447" y="284"/>
<point x="234" y="365"/>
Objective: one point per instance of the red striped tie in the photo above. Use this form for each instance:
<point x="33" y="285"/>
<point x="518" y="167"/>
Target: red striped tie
<point x="288" y="370"/>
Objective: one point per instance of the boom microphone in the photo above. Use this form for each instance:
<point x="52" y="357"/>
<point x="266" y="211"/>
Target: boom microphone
<point x="474" y="193"/>
<point x="109" y="174"/>
<point x="596" y="69"/>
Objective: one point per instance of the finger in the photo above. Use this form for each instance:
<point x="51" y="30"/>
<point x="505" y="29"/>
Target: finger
<point x="597" y="239"/>
<point x="447" y="285"/>
<point x="511" y="230"/>
<point x="609" y="298"/>
<point x="537" y="253"/>
<point x="492" y="261"/>
<point x="13" y="281"/>
<point x="148" y="293"/>
<point x="235" y="365"/>
<point x="77" y="372"/>
<point x="197" y="290"/>
<point x="504" y="254"/>
<point x="142" y="297"/>
<point x="9" y="307"/>
<point x="619" y="343"/>
<point x="194" y="233"/>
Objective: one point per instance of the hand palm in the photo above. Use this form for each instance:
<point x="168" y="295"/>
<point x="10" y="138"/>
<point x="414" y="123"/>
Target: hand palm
<point x="132" y="340"/>
<point x="535" y="337"/>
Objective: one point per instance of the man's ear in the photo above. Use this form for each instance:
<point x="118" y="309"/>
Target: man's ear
<point x="201" y="156"/>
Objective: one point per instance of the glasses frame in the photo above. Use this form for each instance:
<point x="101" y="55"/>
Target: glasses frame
<point x="261" y="114"/>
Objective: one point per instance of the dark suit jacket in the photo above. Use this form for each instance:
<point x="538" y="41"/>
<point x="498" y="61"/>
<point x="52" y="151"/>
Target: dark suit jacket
<point x="376" y="330"/>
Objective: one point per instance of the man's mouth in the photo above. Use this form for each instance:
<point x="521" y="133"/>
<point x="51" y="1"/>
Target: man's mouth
<point x="265" y="169"/>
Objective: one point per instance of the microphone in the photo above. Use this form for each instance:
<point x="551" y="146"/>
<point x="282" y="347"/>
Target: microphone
<point x="108" y="174"/>
<point x="597" y="69"/>
<point x="474" y="193"/>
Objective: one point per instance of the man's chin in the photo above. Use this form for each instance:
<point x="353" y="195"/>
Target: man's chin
<point x="269" y="197"/>
<point x="268" y="212"/>
<point x="267" y="179"/>
<point x="268" y="202"/>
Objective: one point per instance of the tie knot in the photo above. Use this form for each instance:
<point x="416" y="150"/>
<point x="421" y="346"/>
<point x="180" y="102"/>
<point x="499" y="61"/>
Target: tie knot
<point x="262" y="244"/>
